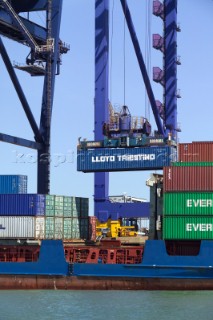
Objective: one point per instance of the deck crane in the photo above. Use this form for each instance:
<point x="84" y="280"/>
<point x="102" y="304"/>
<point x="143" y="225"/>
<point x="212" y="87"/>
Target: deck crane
<point x="122" y="150"/>
<point x="43" y="60"/>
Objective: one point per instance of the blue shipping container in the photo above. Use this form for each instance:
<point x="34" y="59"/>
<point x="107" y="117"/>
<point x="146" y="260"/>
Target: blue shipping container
<point x="13" y="184"/>
<point x="22" y="205"/>
<point x="123" y="159"/>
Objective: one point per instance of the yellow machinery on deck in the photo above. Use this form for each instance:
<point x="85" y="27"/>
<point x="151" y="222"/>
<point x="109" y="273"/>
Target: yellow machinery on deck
<point x="114" y="229"/>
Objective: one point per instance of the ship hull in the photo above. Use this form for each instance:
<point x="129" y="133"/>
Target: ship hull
<point x="158" y="271"/>
<point x="30" y="282"/>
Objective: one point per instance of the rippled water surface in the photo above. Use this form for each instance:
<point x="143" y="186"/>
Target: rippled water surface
<point x="126" y="305"/>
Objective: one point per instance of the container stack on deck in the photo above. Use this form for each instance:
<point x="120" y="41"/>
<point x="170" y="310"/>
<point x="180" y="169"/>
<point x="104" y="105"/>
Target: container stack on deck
<point x="66" y="217"/>
<point x="188" y="193"/>
<point x="38" y="216"/>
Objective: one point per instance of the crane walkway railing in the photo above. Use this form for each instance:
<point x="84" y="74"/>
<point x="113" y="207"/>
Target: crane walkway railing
<point x="49" y="47"/>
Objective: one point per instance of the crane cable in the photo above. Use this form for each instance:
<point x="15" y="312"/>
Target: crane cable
<point x="148" y="52"/>
<point x="124" y="52"/>
<point x="111" y="47"/>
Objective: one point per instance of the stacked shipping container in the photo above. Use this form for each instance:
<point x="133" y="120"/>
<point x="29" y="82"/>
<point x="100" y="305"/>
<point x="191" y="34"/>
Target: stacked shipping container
<point x="66" y="217"/>
<point x="36" y="216"/>
<point x="188" y="193"/>
<point x="13" y="184"/>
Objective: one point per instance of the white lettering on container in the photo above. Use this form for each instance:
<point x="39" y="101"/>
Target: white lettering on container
<point x="103" y="159"/>
<point x="136" y="157"/>
<point x="125" y="157"/>
<point x="202" y="203"/>
<point x="199" y="227"/>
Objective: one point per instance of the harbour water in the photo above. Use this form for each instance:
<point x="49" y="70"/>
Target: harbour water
<point x="110" y="305"/>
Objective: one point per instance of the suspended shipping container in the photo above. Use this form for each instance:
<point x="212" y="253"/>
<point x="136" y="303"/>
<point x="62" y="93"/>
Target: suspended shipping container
<point x="122" y="159"/>
<point x="187" y="228"/>
<point x="196" y="151"/>
<point x="188" y="178"/>
<point x="188" y="203"/>
<point x="13" y="184"/>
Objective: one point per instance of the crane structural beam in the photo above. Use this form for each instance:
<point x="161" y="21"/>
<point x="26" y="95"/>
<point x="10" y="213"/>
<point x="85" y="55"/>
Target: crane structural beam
<point x="45" y="45"/>
<point x="20" y="92"/>
<point x="114" y="211"/>
<point x="19" y="24"/>
<point x="9" y="30"/>
<point x="54" y="11"/>
<point x="20" y="141"/>
<point x="27" y="6"/>
<point x="101" y="180"/>
<point x="170" y="73"/>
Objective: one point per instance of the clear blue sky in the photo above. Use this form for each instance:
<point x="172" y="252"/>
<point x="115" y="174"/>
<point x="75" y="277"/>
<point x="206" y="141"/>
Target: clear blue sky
<point x="74" y="92"/>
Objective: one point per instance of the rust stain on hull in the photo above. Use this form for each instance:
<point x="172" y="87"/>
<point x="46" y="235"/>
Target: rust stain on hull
<point x="25" y="282"/>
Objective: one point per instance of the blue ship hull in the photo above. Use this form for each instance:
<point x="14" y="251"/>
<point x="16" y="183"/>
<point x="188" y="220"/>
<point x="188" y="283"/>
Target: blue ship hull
<point x="158" y="271"/>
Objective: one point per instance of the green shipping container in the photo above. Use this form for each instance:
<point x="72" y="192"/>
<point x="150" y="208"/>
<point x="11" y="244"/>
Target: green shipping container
<point x="54" y="228"/>
<point x="71" y="228"/>
<point x="192" y="164"/>
<point x="84" y="228"/>
<point x="59" y="228"/>
<point x="68" y="199"/>
<point x="188" y="203"/>
<point x="49" y="227"/>
<point x="49" y="212"/>
<point x="64" y="206"/>
<point x="66" y="228"/>
<point x="187" y="228"/>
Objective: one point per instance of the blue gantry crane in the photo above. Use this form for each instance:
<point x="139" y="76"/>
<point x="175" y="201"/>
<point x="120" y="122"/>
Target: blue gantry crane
<point x="121" y="144"/>
<point x="44" y="59"/>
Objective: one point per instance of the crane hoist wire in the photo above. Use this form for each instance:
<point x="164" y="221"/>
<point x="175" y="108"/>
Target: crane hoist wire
<point x="111" y="46"/>
<point x="148" y="52"/>
<point x="111" y="54"/>
<point x="124" y="57"/>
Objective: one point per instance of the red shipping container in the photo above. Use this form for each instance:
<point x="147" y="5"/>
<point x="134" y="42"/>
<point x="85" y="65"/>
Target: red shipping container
<point x="188" y="178"/>
<point x="197" y="151"/>
<point x="92" y="228"/>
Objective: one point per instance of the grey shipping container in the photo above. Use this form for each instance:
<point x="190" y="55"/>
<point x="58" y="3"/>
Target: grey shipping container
<point x="122" y="159"/>
<point x="17" y="227"/>
<point x="39" y="228"/>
